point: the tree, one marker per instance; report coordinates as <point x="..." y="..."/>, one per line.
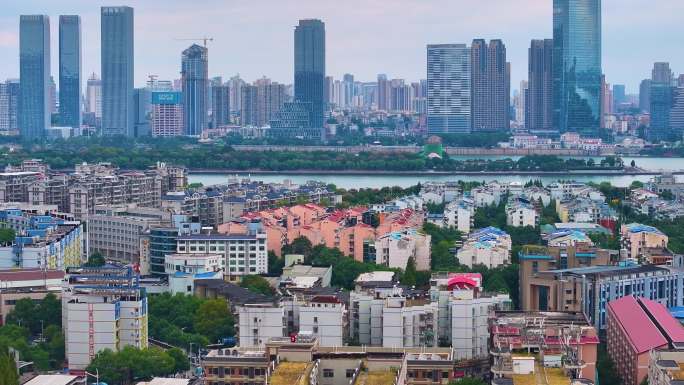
<point x="468" y="381"/>
<point x="181" y="362"/>
<point x="8" y="369"/>
<point x="257" y="284"/>
<point x="607" y="374"/>
<point x="301" y="245"/>
<point x="95" y="260"/>
<point x="214" y="320"/>
<point x="130" y="363"/>
<point x="7" y="236"/>
<point x="409" y="276"/>
<point x="275" y="264"/>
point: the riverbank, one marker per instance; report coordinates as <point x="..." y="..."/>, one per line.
<point x="620" y="172"/>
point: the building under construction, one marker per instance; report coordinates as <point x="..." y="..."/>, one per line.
<point x="546" y="348"/>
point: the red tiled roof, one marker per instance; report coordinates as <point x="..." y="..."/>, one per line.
<point x="29" y="274"/>
<point x="642" y="334"/>
<point x="671" y="327"/>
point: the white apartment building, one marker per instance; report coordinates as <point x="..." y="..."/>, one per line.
<point x="324" y="317"/>
<point x="409" y="323"/>
<point x="102" y="308"/>
<point x="257" y="323"/>
<point x="464" y="312"/>
<point x="485" y="196"/>
<point x="394" y="249"/>
<point x="243" y="254"/>
<point x="366" y="313"/>
<point x="521" y="214"/>
<point x="489" y="246"/>
<point x="183" y="269"/>
<point x="460" y="214"/>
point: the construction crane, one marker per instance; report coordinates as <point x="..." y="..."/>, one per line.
<point x="202" y="39"/>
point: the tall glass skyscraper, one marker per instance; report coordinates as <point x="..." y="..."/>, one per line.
<point x="70" y="70"/>
<point x="118" y="112"/>
<point x="448" y="88"/>
<point x="539" y="104"/>
<point x="577" y="65"/>
<point x="195" y="78"/>
<point x="309" y="64"/>
<point x="34" y="75"/>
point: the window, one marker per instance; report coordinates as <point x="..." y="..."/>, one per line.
<point x="328" y="373"/>
<point x="349" y="373"/>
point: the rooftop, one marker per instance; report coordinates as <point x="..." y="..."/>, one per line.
<point x="376" y="276"/>
<point x="642" y="333"/>
<point x="288" y="373"/>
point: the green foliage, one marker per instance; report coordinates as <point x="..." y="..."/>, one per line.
<point x="409" y="277"/>
<point x="275" y="264"/>
<point x="434" y="208"/>
<point x="214" y="320"/>
<point x="607" y="373"/>
<point x="95" y="260"/>
<point x="257" y="284"/>
<point x="369" y="196"/>
<point x="8" y="369"/>
<point x="345" y="269"/>
<point x="300" y="245"/>
<point x="28" y="313"/>
<point x="468" y="381"/>
<point x="549" y="216"/>
<point x="182" y="363"/>
<point x="133" y="364"/>
<point x="7" y="236"/>
<point x="177" y="320"/>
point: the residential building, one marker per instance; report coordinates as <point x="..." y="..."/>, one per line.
<point x="324" y="318"/>
<point x="542" y="292"/>
<point x="460" y="214"/>
<point x="167" y="114"/>
<point x="636" y="238"/>
<point x="42" y="241"/>
<point x="115" y="231"/>
<point x="396" y="248"/>
<point x="161" y="240"/>
<point x="514" y="333"/>
<point x="635" y="327"/>
<point x="309" y="68"/>
<point x="183" y="269"/>
<point x="118" y="109"/>
<point x="102" y="308"/>
<point x="521" y="213"/>
<point x="539" y="113"/>
<point x="577" y="65"/>
<point x="9" y="106"/>
<point x="195" y="80"/>
<point x="490" y="86"/>
<point x="645" y="95"/>
<point x="34" y="76"/>
<point x="243" y="254"/>
<point x="93" y="102"/>
<point x="261" y="102"/>
<point x="489" y="246"/>
<point x="664" y="367"/>
<point x="299" y="276"/>
<point x="220" y="105"/>
<point x="449" y="88"/>
<point x="70" y="71"/>
<point x="464" y="311"/>
<point x="408" y="322"/>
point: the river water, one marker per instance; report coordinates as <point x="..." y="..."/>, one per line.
<point x="376" y="181"/>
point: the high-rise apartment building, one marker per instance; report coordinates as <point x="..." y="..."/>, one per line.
<point x="619" y="96"/>
<point x="448" y="88"/>
<point x="490" y="86"/>
<point x="70" y="71"/>
<point x="220" y="105"/>
<point x="606" y="102"/>
<point x="577" y="65"/>
<point x="383" y="93"/>
<point x="118" y="105"/>
<point x="9" y="106"/>
<point x="235" y="85"/>
<point x="34" y="75"/>
<point x="261" y="102"/>
<point x="195" y="73"/>
<point x="93" y="103"/>
<point x="662" y="94"/>
<point x="309" y="64"/>
<point x="348" y="80"/>
<point x="520" y="103"/>
<point x="167" y="114"/>
<point x="540" y="93"/>
<point x="645" y="95"/>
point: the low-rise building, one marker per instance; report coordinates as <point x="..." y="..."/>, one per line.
<point x="324" y="317"/>
<point x="666" y="366"/>
<point x="16" y="284"/>
<point x="183" y="269"/>
<point x="521" y="213"/>
<point x="635" y="238"/>
<point x="460" y="214"/>
<point x="396" y="248"/>
<point x="314" y="276"/>
<point x="635" y="327"/>
<point x="490" y="247"/>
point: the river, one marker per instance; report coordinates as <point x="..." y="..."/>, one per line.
<point x="377" y="181"/>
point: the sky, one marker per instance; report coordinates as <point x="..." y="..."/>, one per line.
<point x="254" y="38"/>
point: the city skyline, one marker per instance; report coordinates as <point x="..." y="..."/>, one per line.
<point x="157" y="24"/>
